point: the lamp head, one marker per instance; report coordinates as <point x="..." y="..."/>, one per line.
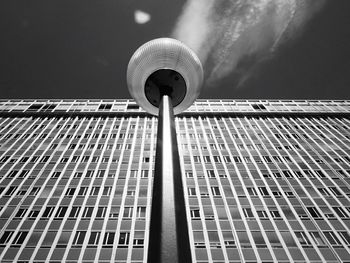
<point x="164" y="66"/>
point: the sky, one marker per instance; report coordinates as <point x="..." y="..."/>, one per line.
<point x="81" y="48"/>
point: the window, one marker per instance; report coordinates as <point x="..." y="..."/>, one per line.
<point x="287" y="159"/>
<point x="138" y="239"/>
<point x="302" y="238"/>
<point x="89" y="173"/>
<point x="24" y="159"/>
<point x="141" y="212"/>
<point x="21" y="192"/>
<point x="196" y="159"/>
<point x="74" y="212"/>
<point x="252" y="191"/>
<point x="278" y="136"/>
<point x="72" y="146"/>
<point x="34" y="191"/>
<point x="237" y="159"/>
<point x="48" y="211"/>
<point x="314" y="212"/>
<point x="211" y="173"/>
<point x="111" y="174"/>
<point x="128" y="146"/>
<point x="212" y="146"/>
<point x="94" y="190"/>
<point x="101" y="211"/>
<point x="11" y="190"/>
<point x="340" y="212"/>
<point x="323" y="191"/>
<point x="34" y="107"/>
<point x="320" y="174"/>
<point x="215" y="190"/>
<point x="332" y="238"/>
<point x="118" y="146"/>
<point x="289" y="194"/>
<point x="277" y="175"/>
<point x="263" y="191"/>
<point x="287" y="174"/>
<point x="94" y="238"/>
<point x="275" y="214"/>
<point x="317" y="238"/>
<point x="82" y="191"/>
<point x="309" y="173"/>
<point x="23" y="174"/>
<point x="267" y="176"/>
<point x="247" y="159"/>
<point x="217" y="159"/>
<point x="107" y="190"/>
<point x="70" y="191"/>
<point x="195" y="213"/>
<point x="132" y="107"/>
<point x="33" y="214"/>
<point x="277" y="159"/>
<point x="85" y="159"/>
<point x="87" y="212"/>
<point x="64" y="159"/>
<point x="6" y="237"/>
<point x="100" y="173"/>
<point x="44" y="159"/>
<point x="227" y="159"/>
<point x="228" y="239"/>
<point x="133" y="173"/>
<point x="130" y="192"/>
<point x="78" y="174"/>
<point x="61" y="211"/>
<point x="110" y="146"/>
<point x="21" y="212"/>
<point x="109" y="238"/>
<point x="53" y="146"/>
<point x="248" y="212"/>
<point x="20" y="237"/>
<point x="298" y="174"/>
<point x="79" y="238"/>
<point x="144" y="174"/>
<point x="335" y="191"/>
<point x="94" y="159"/>
<point x="345" y="236"/>
<point x="12" y="174"/>
<point x="191" y="191"/>
<point x="128" y="212"/>
<point x="114" y="213"/>
<point x="56" y="174"/>
<point x="124" y="239"/>
<point x="262" y="214"/>
<point x="189" y="174"/>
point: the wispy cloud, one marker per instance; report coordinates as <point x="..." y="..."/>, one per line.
<point x="232" y="36"/>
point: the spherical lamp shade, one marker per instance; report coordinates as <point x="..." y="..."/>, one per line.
<point x="160" y="65"/>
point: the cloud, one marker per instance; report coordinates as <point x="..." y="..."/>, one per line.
<point x="141" y="17"/>
<point x="233" y="36"/>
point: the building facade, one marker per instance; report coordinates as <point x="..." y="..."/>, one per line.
<point x="265" y="181"/>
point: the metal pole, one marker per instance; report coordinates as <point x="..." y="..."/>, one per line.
<point x="168" y="242"/>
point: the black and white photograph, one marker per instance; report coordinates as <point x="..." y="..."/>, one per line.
<point x="204" y="131"/>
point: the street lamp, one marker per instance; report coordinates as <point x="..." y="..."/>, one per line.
<point x="165" y="77"/>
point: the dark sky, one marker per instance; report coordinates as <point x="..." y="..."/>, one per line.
<point x="80" y="49"/>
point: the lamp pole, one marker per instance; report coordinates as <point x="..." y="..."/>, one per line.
<point x="164" y="77"/>
<point x="169" y="240"/>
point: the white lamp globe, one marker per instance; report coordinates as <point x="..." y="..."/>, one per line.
<point x="164" y="64"/>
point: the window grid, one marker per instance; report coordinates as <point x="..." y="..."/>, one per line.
<point x="263" y="171"/>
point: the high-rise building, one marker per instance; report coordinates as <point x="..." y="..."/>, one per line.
<point x="265" y="181"/>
